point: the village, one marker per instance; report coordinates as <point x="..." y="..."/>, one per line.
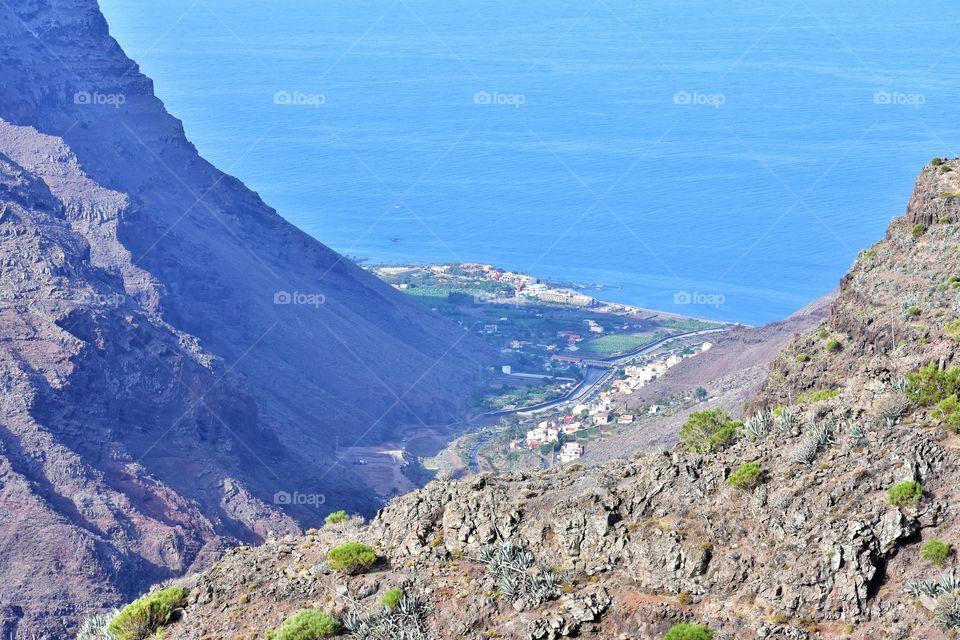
<point x="562" y="438"/>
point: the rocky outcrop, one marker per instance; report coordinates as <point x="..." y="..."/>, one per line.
<point x="178" y="363"/>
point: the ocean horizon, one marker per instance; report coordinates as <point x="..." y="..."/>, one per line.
<point x="726" y="162"/>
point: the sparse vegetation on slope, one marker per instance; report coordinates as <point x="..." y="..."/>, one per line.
<point x="148" y="615"/>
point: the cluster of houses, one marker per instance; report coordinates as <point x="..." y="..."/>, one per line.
<point x="637" y="376"/>
<point x="581" y="418"/>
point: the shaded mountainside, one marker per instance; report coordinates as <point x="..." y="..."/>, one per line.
<point x="166" y="365"/>
<point x="810" y="546"/>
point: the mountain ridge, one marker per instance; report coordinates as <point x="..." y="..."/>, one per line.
<point x="177" y="360"/>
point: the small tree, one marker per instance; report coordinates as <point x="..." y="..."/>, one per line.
<point x="905" y="494"/>
<point x="337" y="517"/>
<point x="935" y="552"/>
<point x="684" y="631"/>
<point x="351" y="558"/>
<point x="709" y="430"/>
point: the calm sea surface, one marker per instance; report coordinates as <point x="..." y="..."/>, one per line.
<point x="722" y="159"/>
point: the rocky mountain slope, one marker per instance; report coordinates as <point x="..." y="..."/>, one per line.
<point x="813" y="545"/>
<point x="177" y="363"/>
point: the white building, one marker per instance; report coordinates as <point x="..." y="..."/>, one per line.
<point x="571" y="451"/>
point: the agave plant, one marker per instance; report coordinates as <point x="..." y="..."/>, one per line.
<point x="787" y="419"/>
<point x="947" y="611"/>
<point x="930" y="588"/>
<point x="510" y="565"/>
<point x="913" y="589"/>
<point x="856" y="432"/>
<point x="949" y="583"/>
<point x="97" y="627"/>
<point x="406" y="621"/>
<point x="757" y="426"/>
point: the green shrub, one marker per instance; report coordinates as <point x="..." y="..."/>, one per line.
<point x="935" y="552"/>
<point x="869" y="253"/>
<point x="833" y="345"/>
<point x="144" y="617"/>
<point x="709" y="430"/>
<point x="684" y="631"/>
<point x="351" y="558"/>
<point x="948" y="412"/>
<point x="391" y="598"/>
<point x="337" y="517"/>
<point x="823" y="333"/>
<point x="929" y="385"/>
<point x="307" y="624"/>
<point x="803" y="357"/>
<point x="912" y="312"/>
<point x="950" y="196"/>
<point x="953" y="330"/>
<point x="937" y="161"/>
<point x="905" y="494"/>
<point x="918" y="230"/>
<point x="747" y="476"/>
<point x="818" y="396"/>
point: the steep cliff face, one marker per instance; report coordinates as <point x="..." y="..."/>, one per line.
<point x="812" y="547"/>
<point x="173" y="353"/>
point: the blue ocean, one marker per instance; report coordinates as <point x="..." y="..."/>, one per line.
<point x="719" y="159"/>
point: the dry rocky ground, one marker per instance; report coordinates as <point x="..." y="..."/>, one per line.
<point x="814" y="549"/>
